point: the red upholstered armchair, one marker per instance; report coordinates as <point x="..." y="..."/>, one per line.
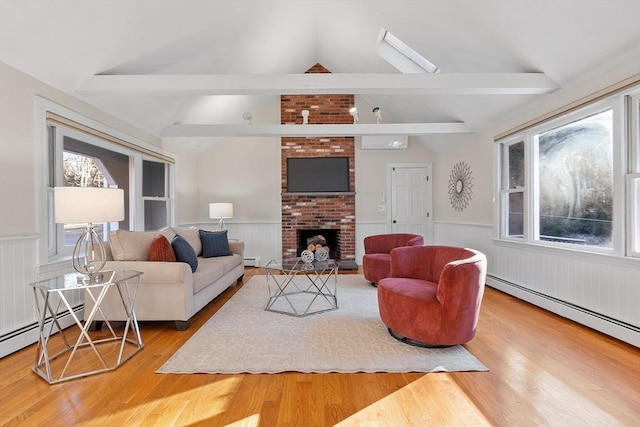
<point x="377" y="253"/>
<point x="433" y="295"/>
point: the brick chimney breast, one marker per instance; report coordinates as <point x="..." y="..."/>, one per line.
<point x="310" y="212"/>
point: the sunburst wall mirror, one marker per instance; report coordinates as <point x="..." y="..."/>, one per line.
<point x="460" y="186"/>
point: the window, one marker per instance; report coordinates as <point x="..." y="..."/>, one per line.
<point x="79" y="159"/>
<point x="155" y="190"/>
<point x="574" y="181"/>
<point x="514" y="188"/>
<point x="633" y="178"/>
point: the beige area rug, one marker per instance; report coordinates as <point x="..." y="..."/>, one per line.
<point x="244" y="338"/>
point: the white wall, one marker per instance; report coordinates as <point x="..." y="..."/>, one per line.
<point x="187" y="185"/>
<point x="371" y="175"/>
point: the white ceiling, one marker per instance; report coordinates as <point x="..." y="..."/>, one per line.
<point x="65" y="43"/>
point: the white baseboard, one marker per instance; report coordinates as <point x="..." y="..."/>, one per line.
<point x="252" y="261"/>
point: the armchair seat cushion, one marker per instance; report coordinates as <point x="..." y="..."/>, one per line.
<point x="409" y="305"/>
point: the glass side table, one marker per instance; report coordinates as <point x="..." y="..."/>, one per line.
<point x="62" y="356"/>
<point x="299" y="288"/>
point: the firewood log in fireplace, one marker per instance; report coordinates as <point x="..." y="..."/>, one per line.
<point x="316" y="242"/>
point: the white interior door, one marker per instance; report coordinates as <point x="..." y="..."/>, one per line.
<point x="410" y="187"/>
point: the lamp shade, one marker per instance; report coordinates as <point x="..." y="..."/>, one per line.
<point x="88" y="204"/>
<point x="221" y="210"/>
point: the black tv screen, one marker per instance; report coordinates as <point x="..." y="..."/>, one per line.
<point x="318" y="175"/>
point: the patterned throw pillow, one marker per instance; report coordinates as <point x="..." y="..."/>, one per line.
<point x="214" y="243"/>
<point x="184" y="252"/>
<point x="161" y="250"/>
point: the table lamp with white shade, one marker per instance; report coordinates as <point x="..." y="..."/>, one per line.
<point x="88" y="205"/>
<point x="221" y="211"/>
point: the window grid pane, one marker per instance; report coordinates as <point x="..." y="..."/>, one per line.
<point x="155" y="214"/>
<point x="153" y="179"/>
<point x="515" y="225"/>
<point x="576" y="182"/>
<point x="516" y="165"/>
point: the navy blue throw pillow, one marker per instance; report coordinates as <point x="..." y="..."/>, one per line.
<point x="214" y="243"/>
<point x="184" y="252"/>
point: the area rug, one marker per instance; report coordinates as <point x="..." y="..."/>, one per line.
<point x="244" y="338"/>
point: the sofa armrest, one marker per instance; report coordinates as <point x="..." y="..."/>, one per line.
<point x="237" y="247"/>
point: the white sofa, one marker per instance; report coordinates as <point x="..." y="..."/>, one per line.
<point x="168" y="290"/>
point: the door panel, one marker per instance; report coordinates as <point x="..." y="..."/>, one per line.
<point x="411" y="201"/>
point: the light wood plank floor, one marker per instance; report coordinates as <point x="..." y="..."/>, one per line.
<point x="544" y="371"/>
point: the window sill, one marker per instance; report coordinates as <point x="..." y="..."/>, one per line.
<point x="599" y="257"/>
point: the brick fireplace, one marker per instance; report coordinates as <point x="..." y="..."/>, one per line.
<point x="308" y="214"/>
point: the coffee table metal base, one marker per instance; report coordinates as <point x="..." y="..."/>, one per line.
<point x="301" y="289"/>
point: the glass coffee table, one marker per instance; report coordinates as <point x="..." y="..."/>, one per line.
<point x="300" y="288"/>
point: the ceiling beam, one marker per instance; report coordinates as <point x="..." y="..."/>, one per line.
<point x="322" y="84"/>
<point x="244" y="130"/>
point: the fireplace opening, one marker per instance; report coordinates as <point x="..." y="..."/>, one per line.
<point x="320" y="236"/>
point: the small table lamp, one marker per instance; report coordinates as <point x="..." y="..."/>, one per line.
<point x="221" y="211"/>
<point x="88" y="205"/>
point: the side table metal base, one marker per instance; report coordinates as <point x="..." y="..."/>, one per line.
<point x="63" y="355"/>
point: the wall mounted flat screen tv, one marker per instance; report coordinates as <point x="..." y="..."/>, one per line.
<point x="318" y="175"/>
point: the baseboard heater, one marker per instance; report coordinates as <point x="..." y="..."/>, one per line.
<point x="28" y="334"/>
<point x="252" y="261"/>
<point x="593" y="314"/>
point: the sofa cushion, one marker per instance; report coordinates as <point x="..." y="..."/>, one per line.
<point x="132" y="245"/>
<point x="232" y="262"/>
<point x="184" y="252"/>
<point x="192" y="236"/>
<point x="214" y="243"/>
<point x="161" y="250"/>
<point x="209" y="270"/>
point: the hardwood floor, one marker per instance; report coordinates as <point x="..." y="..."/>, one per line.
<point x="544" y="371"/>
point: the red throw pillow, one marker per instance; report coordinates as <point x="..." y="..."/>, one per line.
<point x="161" y="250"/>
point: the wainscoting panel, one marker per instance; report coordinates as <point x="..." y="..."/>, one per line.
<point x="596" y="290"/>
<point x="18" y="315"/>
<point x="17" y="270"/>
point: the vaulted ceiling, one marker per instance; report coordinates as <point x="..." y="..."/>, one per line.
<point x="114" y="54"/>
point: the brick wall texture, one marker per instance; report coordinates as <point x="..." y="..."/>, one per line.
<point x="303" y="212"/>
